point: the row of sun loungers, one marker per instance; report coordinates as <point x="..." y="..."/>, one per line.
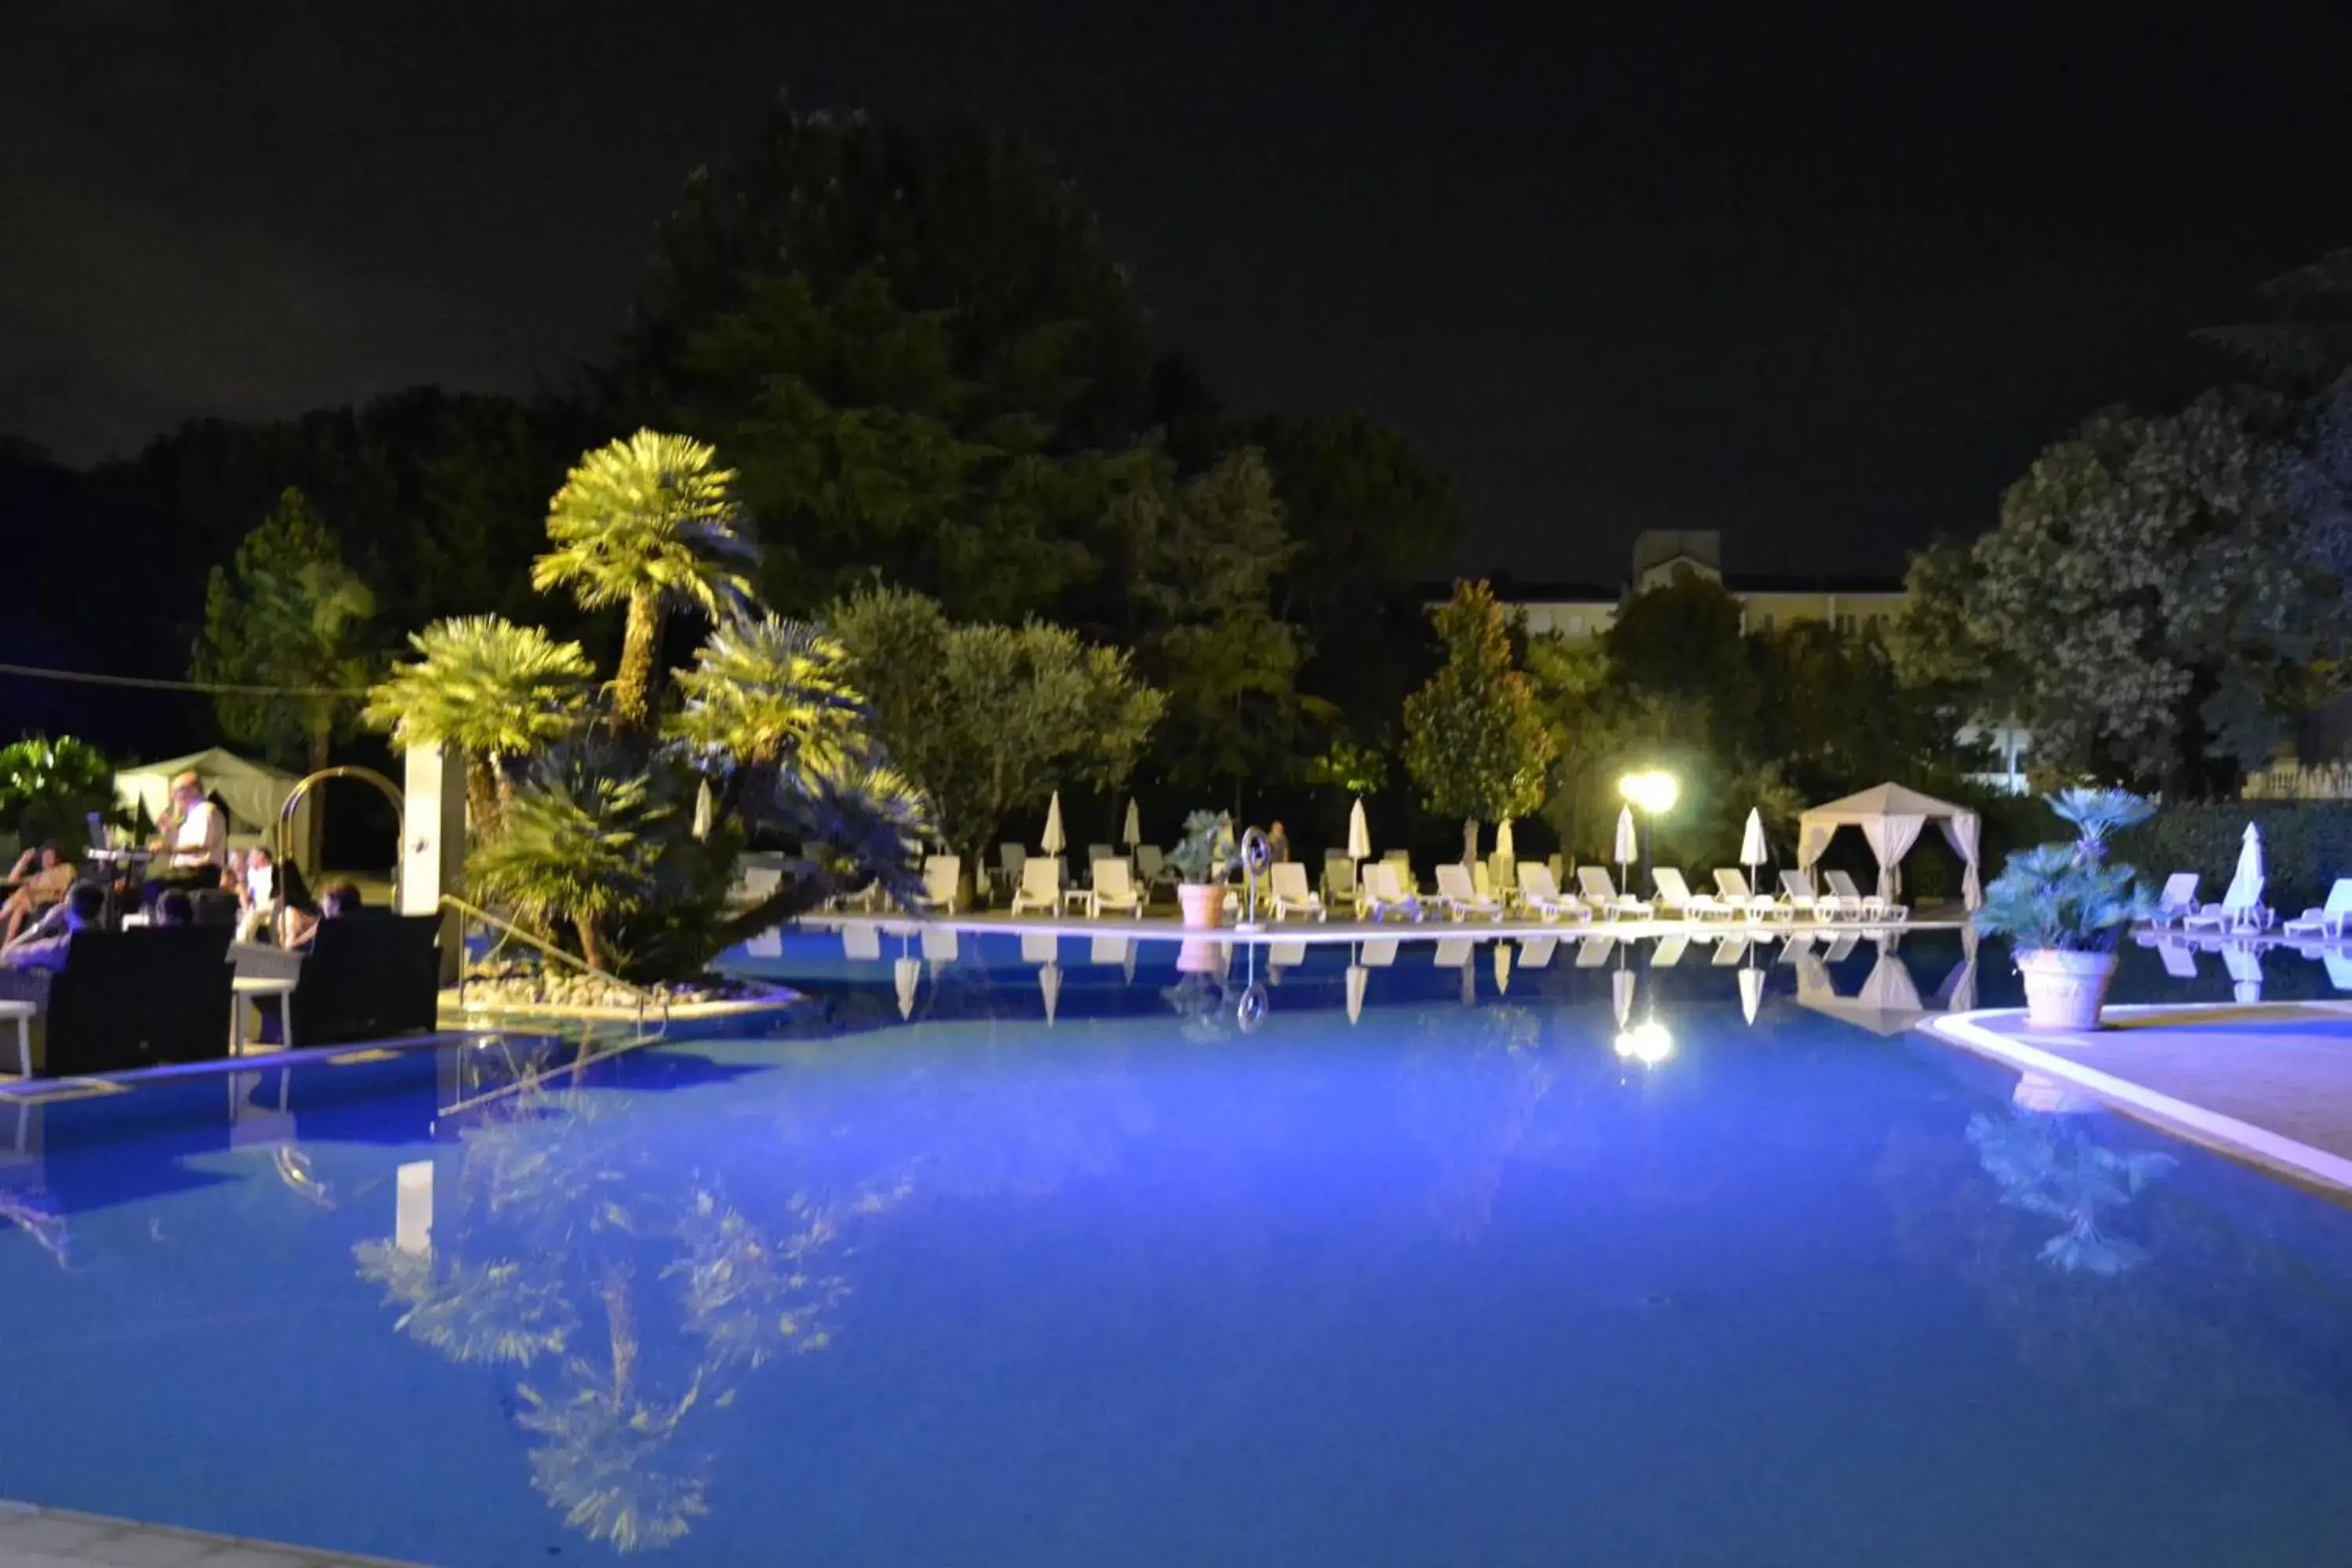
<point x="1382" y="889"/>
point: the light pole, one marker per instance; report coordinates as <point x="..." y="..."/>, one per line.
<point x="1652" y="791"/>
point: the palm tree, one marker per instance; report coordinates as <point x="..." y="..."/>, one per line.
<point x="576" y="848"/>
<point x="764" y="690"/>
<point x="648" y="523"/>
<point x="488" y="687"/>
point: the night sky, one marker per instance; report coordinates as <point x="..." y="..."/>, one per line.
<point x="1827" y="287"/>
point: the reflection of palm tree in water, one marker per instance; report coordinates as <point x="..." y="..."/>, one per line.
<point x="2047" y="1164"/>
<point x="558" y="1205"/>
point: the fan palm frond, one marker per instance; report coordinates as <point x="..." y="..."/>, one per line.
<point x="765" y="688"/>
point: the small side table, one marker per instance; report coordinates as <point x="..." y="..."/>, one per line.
<point x="1078" y="901"/>
<point x="252" y="989"/>
<point x="22" y="1013"/>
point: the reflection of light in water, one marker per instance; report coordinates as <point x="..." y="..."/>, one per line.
<point x="1646" y="1042"/>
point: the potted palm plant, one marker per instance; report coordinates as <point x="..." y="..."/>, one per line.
<point x="2064" y="908"/>
<point x="1202" y="859"/>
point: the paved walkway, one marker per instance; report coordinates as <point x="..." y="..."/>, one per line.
<point x="50" y="1538"/>
<point x="1168" y="928"/>
<point x="2270" y="1082"/>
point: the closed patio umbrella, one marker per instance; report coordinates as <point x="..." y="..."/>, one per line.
<point x="1132" y="833"/>
<point x="1356" y="975"/>
<point x="1752" y="993"/>
<point x="1503" y="844"/>
<point x="1620" y="992"/>
<point x="1627" y="850"/>
<point x="1052" y="840"/>
<point x="2246" y="885"/>
<point x="1753" y="850"/>
<point x="1503" y="968"/>
<point x="1360" y="833"/>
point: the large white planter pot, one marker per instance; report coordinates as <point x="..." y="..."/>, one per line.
<point x="2064" y="990"/>
<point x="1204" y="906"/>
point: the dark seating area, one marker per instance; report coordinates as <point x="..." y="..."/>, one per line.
<point x="367" y="976"/>
<point x="133" y="999"/>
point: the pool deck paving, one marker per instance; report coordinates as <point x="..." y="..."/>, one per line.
<point x="2267" y="1082"/>
<point x="1168" y="928"/>
<point x="54" y="1538"/>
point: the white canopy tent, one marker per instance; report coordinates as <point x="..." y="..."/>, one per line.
<point x="1892" y="817"/>
<point x="254" y="792"/>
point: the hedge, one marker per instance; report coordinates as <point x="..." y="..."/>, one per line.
<point x="2306" y="845"/>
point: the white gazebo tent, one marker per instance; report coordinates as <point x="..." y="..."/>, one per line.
<point x="1890" y="817"/>
<point x="254" y="792"/>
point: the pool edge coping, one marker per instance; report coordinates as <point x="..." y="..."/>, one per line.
<point x="2181" y="1117"/>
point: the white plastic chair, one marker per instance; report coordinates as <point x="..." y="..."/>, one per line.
<point x="1292" y="896"/>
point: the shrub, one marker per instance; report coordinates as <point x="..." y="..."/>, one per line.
<point x="2306" y="845"/>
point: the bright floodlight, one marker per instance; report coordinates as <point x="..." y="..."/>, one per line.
<point x="1646" y="1042"/>
<point x="1652" y="791"/>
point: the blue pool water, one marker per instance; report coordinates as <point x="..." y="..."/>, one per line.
<point x="1453" y="1284"/>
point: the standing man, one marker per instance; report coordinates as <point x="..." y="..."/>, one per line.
<point x="193" y="845"/>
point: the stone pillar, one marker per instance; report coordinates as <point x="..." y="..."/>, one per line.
<point x="433" y="850"/>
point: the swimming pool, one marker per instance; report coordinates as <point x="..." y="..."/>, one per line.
<point x="1456" y="1283"/>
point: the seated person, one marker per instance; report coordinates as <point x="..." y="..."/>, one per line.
<point x="83" y="908"/>
<point x="175" y="907"/>
<point x="338" y="900"/>
<point x="191" y="847"/>
<point x="42" y="878"/>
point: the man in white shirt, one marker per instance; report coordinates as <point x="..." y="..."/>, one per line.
<point x="193" y="844"/>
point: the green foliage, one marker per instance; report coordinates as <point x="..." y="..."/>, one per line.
<point x="987" y="719"/>
<point x="286" y="613"/>
<point x="2066" y="895"/>
<point x="862" y="449"/>
<point x="576" y="848"/>
<point x="1680" y="641"/>
<point x="1206" y="855"/>
<point x="2306" y="845"/>
<point x="48" y="788"/>
<point x="1475" y="740"/>
<point x="648" y="523"/>
<point x="858" y="820"/>
<point x="2307" y="342"/>
<point x="2148" y="600"/>
<point x="1349" y="764"/>
<point x="1208" y="551"/>
<point x="765" y="689"/>
<point x="486" y="687"/>
<point x="917" y="348"/>
<point x="1370" y="514"/>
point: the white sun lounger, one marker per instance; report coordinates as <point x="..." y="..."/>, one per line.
<point x="1115" y="888"/>
<point x="1731" y="886"/>
<point x="1459" y="897"/>
<point x="1601" y="893"/>
<point x="1873" y="908"/>
<point x="940" y="875"/>
<point x="1539" y="895"/>
<point x="2179" y="898"/>
<point x="2226" y="917"/>
<point x="1675" y="897"/>
<point x="1292" y="896"/>
<point x="1041" y="886"/>
<point x="1383" y="895"/>
<point x="2327" y="921"/>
